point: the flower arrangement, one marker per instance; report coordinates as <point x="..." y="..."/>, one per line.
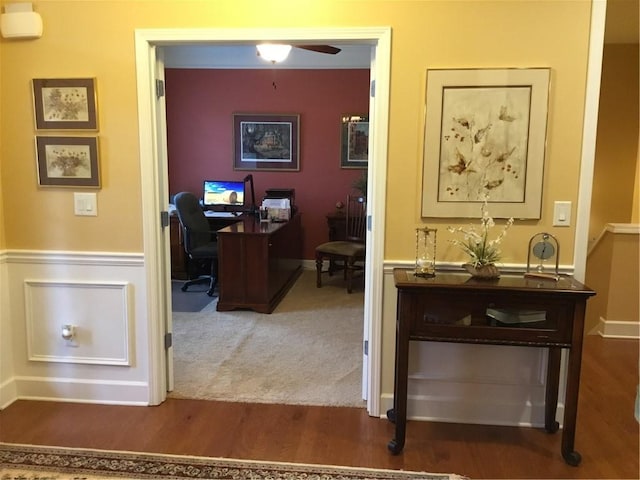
<point x="476" y="244"/>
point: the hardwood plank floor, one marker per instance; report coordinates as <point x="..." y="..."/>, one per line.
<point x="606" y="436"/>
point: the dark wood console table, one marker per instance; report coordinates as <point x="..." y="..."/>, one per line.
<point x="258" y="263"/>
<point x="453" y="308"/>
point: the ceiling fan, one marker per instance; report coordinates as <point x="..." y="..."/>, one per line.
<point x="320" y="48"/>
<point x="277" y="52"/>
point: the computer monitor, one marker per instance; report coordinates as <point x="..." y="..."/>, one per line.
<point x="223" y="195"/>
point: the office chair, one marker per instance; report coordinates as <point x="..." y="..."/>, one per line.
<point x="345" y="253"/>
<point x="199" y="240"/>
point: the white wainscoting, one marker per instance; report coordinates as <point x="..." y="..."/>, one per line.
<point x="95" y="311"/>
<point x="104" y="295"/>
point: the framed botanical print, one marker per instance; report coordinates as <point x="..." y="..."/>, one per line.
<point x="68" y="161"/>
<point x="485" y="136"/>
<point x="65" y="103"/>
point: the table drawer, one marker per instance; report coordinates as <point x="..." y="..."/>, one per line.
<point x="438" y="315"/>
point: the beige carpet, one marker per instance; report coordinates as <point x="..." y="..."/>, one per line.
<point x="308" y="351"/>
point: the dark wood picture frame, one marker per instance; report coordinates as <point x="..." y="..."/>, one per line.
<point x="354" y="141"/>
<point x="65" y="104"/>
<point x="266" y="142"/>
<point x="68" y="161"/>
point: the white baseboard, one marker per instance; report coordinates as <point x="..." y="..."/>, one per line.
<point x="103" y="392"/>
<point x="617" y="329"/>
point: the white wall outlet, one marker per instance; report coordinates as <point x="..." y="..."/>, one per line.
<point x="85" y="204"/>
<point x="561" y="214"/>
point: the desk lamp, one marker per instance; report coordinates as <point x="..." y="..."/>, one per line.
<point x="252" y="208"/>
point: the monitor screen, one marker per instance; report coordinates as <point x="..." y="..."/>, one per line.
<point x="220" y="193"/>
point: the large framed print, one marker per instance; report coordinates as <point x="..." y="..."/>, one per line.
<point x="68" y="161"/>
<point x="354" y="141"/>
<point x="65" y="103"/>
<point x="266" y="142"/>
<point x="485" y="138"/>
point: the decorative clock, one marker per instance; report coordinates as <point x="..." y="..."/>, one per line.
<point x="543" y="257"/>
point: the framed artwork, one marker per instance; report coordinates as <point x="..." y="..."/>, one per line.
<point x="65" y="104"/>
<point x="354" y="141"/>
<point x="485" y="137"/>
<point x="68" y="161"/>
<point x="266" y="142"/>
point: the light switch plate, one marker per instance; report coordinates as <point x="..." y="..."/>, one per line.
<point x="561" y="214"/>
<point x="85" y="204"/>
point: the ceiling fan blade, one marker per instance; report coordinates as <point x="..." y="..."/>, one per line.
<point x="320" y="48"/>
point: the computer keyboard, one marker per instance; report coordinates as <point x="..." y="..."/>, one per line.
<point x="210" y="213"/>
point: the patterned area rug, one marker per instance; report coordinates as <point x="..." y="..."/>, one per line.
<point x="26" y="462"/>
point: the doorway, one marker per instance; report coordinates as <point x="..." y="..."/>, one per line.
<point x="154" y="172"/>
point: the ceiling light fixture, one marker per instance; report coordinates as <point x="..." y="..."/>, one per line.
<point x="273" y="52"/>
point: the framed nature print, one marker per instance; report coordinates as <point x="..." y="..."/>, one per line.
<point x="68" y="161"/>
<point x="266" y="142"/>
<point x="65" y="103"/>
<point x="354" y="141"/>
<point x="485" y="136"/>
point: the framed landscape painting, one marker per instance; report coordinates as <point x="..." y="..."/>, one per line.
<point x="266" y="142"/>
<point x="65" y="103"/>
<point x="485" y="135"/>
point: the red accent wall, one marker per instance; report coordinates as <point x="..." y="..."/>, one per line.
<point x="200" y="107"/>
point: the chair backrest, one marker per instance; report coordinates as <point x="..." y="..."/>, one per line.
<point x="356" y="222"/>
<point x="195" y="225"/>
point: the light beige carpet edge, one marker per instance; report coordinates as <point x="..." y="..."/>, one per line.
<point x="307" y="352"/>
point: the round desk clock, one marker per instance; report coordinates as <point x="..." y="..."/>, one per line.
<point x="543" y="257"/>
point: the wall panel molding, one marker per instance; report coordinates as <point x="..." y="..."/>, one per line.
<point x="99" y="312"/>
<point x="104" y="295"/>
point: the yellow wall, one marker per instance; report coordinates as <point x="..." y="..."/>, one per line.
<point x="616" y="159"/>
<point x="96" y="39"/>
<point x="612" y="271"/>
<point x="2" y="222"/>
<point x="635" y="212"/>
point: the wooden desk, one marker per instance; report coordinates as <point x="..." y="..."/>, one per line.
<point x="258" y="263"/>
<point x="452" y="308"/>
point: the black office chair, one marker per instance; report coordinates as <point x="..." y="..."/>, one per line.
<point x="349" y="252"/>
<point x="199" y="241"/>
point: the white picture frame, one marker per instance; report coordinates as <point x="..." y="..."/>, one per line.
<point x="485" y="137"/>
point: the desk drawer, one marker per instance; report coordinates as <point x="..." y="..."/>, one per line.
<point x="444" y="315"/>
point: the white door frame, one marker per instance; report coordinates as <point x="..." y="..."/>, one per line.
<point x="153" y="175"/>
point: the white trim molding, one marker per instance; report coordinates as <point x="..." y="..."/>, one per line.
<point x="99" y="313"/>
<point x="618" y="329"/>
<point x="103" y="295"/>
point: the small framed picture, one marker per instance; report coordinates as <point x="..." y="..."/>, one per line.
<point x="266" y="142"/>
<point x="65" y="104"/>
<point x="354" y="141"/>
<point x="68" y="161"/>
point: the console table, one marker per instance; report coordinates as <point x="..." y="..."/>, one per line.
<point x="258" y="262"/>
<point x="453" y="308"/>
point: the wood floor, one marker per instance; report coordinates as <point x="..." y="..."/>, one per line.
<point x="606" y="436"/>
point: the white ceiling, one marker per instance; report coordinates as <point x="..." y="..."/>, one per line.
<point x="245" y="56"/>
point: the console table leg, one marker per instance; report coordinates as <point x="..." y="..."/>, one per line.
<point x="398" y="414"/>
<point x="551" y="394"/>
